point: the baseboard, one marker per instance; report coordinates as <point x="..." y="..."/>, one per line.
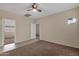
<point x="62" y="44"/>
<point x="20" y="44"/>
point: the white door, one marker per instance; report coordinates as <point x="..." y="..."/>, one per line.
<point x="33" y="31"/>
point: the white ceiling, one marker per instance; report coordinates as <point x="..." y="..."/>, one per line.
<point x="47" y="8"/>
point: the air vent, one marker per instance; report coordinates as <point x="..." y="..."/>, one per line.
<point x="27" y="15"/>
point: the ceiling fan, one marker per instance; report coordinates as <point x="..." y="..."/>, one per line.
<point x="34" y="8"/>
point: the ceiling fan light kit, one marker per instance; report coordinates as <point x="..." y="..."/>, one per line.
<point x="34" y="10"/>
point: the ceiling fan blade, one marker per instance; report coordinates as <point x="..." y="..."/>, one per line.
<point x="39" y="10"/>
<point x="27" y="15"/>
<point x="29" y="9"/>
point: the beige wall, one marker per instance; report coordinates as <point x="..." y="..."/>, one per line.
<point x="0" y="30"/>
<point x="53" y="28"/>
<point x="22" y="25"/>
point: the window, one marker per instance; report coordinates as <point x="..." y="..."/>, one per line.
<point x="71" y="20"/>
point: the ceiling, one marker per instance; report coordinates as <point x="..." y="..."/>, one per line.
<point x="47" y="8"/>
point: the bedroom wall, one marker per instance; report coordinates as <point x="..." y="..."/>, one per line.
<point x="0" y="29"/>
<point x="54" y="28"/>
<point x="22" y="25"/>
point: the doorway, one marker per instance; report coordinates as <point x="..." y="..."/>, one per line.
<point x="9" y="31"/>
<point x="37" y="31"/>
<point x="34" y="31"/>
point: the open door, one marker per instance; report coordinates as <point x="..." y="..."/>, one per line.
<point x="33" y="31"/>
